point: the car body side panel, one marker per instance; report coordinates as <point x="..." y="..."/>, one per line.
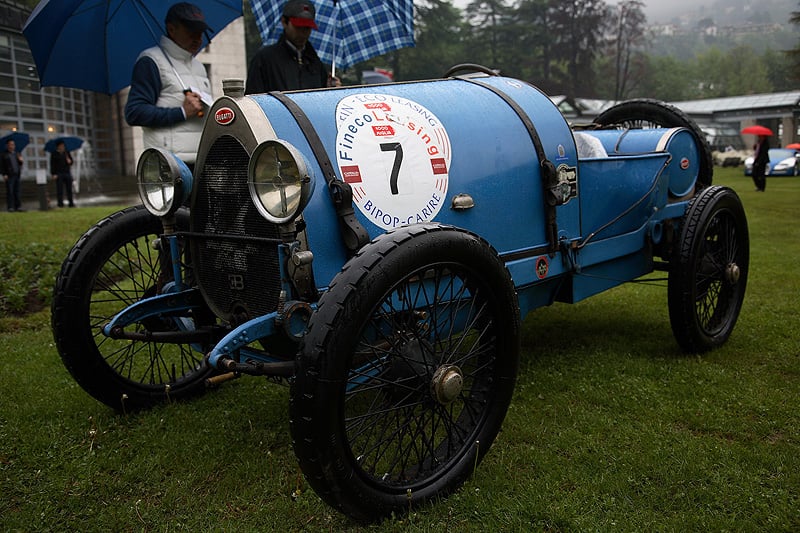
<point x="489" y="156"/>
<point x="491" y="159"/>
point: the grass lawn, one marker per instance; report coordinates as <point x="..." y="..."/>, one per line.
<point x="611" y="426"/>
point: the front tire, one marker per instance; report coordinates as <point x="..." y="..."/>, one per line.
<point x="407" y="371"/>
<point x="708" y="275"/>
<point x="112" y="266"/>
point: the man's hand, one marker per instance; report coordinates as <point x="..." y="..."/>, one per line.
<point x="192" y="106"/>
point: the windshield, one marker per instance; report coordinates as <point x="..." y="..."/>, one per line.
<point x="776" y="154"/>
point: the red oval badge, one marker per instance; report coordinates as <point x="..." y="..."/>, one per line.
<point x="542" y="266"/>
<point x="224" y="116"/>
<point x="684" y="163"/>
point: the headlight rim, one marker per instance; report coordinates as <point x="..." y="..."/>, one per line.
<point x="181" y="181"/>
<point x="305" y="175"/>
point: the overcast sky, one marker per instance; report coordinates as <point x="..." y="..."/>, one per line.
<point x="655" y="10"/>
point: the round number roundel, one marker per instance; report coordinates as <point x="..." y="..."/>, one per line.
<point x="395" y="154"/>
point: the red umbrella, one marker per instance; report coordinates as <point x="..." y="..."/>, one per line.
<point x="793" y="146"/>
<point x="758" y="130"/>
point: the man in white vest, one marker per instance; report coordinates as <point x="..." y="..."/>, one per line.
<point x="169" y="84"/>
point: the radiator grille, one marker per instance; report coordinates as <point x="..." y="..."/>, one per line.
<point x="235" y="276"/>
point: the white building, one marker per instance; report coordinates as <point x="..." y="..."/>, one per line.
<point x="111" y="147"/>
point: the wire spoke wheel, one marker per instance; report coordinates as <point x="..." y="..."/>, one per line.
<point x="406" y="372"/>
<point x="713" y="288"/>
<point x="111" y="267"/>
<point x="418" y="379"/>
<point x="708" y="275"/>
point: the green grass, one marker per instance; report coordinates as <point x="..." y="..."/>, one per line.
<point x="32" y="247"/>
<point x="611" y="426"/>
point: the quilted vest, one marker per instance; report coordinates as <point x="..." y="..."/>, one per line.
<point x="181" y="138"/>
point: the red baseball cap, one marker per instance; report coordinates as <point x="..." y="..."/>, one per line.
<point x="300" y="13"/>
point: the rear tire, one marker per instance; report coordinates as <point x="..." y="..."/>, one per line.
<point x="648" y="113"/>
<point x="708" y="275"/>
<point x="112" y="266"/>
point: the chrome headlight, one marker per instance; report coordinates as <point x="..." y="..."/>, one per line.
<point x="165" y="182"/>
<point x="279" y="181"/>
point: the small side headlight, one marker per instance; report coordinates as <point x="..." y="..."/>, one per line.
<point x="165" y="181"/>
<point x="279" y="181"/>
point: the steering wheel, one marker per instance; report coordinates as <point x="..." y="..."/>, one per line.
<point x="470" y="67"/>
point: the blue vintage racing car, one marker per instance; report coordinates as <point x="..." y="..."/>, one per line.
<point x="377" y="247"/>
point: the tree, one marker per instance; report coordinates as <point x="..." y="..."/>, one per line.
<point x="439" y="41"/>
<point x="705" y="23"/>
<point x="578" y="29"/>
<point x="490" y="42"/>
<point x="666" y="78"/>
<point x="626" y="44"/>
<point x="745" y="72"/>
<point x="534" y="54"/>
<point x="777" y="65"/>
<point x="736" y="72"/>
<point x="794" y="53"/>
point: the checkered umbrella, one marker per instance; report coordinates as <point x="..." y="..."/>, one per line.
<point x="350" y="31"/>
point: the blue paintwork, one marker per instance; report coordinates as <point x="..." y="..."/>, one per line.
<point x="492" y="159"/>
<point x="622" y="197"/>
<point x="622" y="200"/>
<point x="169" y="302"/>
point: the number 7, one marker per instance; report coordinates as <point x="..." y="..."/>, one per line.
<point x="398" y="159"/>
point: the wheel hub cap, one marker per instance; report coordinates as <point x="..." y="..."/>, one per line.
<point x="732" y="273"/>
<point x="447" y="384"/>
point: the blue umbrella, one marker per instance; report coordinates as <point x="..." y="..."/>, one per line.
<point x="350" y="31"/>
<point x="70" y="143"/>
<point x="20" y="139"/>
<point x="93" y="44"/>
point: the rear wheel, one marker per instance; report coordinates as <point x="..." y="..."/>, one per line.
<point x="407" y="371"/>
<point x="647" y="113"/>
<point x="708" y="275"/>
<point x="112" y="266"/>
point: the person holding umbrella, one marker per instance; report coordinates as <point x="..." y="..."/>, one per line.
<point x="291" y="63"/>
<point x="760" y="163"/>
<point x="60" y="161"/>
<point x="169" y="85"/>
<point x="10" y="168"/>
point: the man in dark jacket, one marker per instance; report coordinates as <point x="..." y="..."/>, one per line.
<point x="291" y="63"/>
<point x="10" y="168"/>
<point x="760" y="163"/>
<point x="60" y="161"/>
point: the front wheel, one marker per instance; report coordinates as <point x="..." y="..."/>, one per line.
<point x="407" y="371"/>
<point x="112" y="266"/>
<point x="708" y="275"/>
